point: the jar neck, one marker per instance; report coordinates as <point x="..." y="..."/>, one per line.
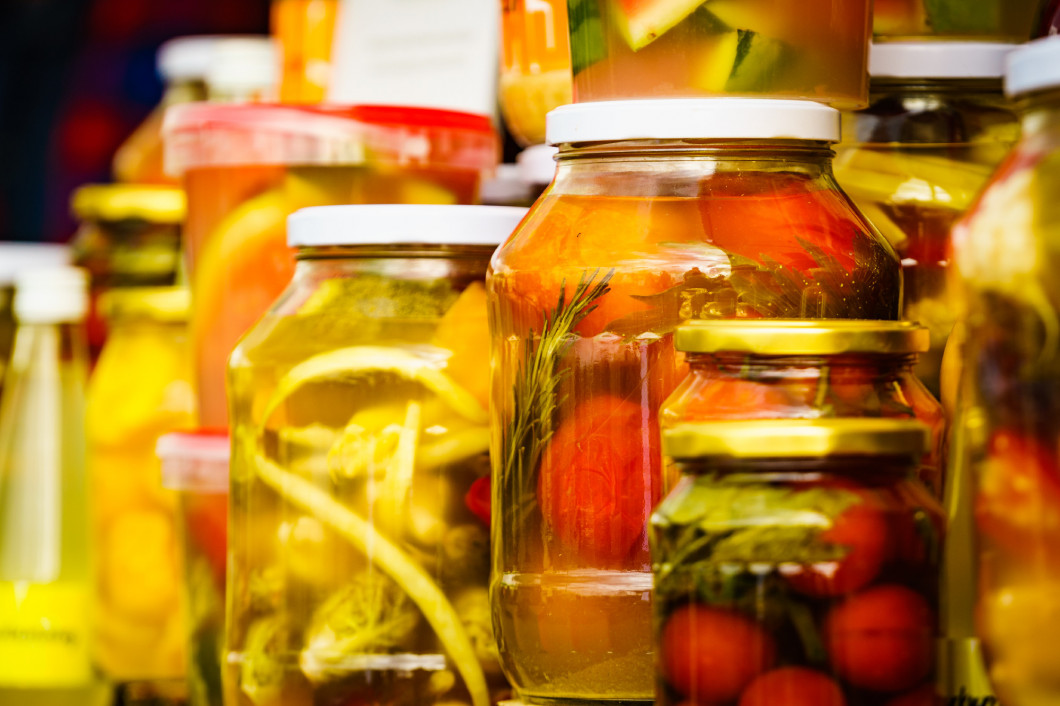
<point x="753" y="366"/>
<point x="968" y="89"/>
<point x="310" y="256"/>
<point x="874" y="470"/>
<point x="1041" y="113"/>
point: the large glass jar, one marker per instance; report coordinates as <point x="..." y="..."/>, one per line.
<point x="1007" y="251"/>
<point x="660" y="212"/>
<point x="993" y="20"/>
<point x="936" y="127"/>
<point x="746" y="370"/>
<point x="797" y="562"/>
<point x="814" y="49"/>
<point x="535" y="65"/>
<point x="360" y="470"/>
<point x="247" y="167"/>
<point x="141" y="388"/>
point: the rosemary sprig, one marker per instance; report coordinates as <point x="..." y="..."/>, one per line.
<point x="537" y="382"/>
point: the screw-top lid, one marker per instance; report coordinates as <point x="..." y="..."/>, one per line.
<point x="1035" y="66"/>
<point x="19" y="257"/>
<point x="166" y="304"/>
<point x="772" y="439"/>
<point x="776" y="337"/>
<point x="195" y="461"/>
<point x="537" y="164"/>
<point x="938" y="59"/>
<point x="375" y="224"/>
<point x="119" y="202"/>
<point x="693" y="119"/>
<point x="243" y="65"/>
<point x="51" y="295"/>
<point x="186" y="58"/>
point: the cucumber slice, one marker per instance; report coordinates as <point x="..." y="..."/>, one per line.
<point x="758" y="62"/>
<point x="588" y="44"/>
<point x="716" y="65"/>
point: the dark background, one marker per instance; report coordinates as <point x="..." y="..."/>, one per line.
<point x="76" y="77"/>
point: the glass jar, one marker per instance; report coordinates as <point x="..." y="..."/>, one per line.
<point x="140" y="389"/>
<point x="130" y="236"/>
<point x="936" y="127"/>
<point x="360" y="469"/>
<point x="991" y="20"/>
<point x="195" y="468"/>
<point x="305" y="31"/>
<point x="1007" y="251"/>
<point x="747" y="370"/>
<point x="815" y="49"/>
<point x="247" y="167"/>
<point x="535" y="65"/>
<point x="796" y="562"/>
<point x="641" y="231"/>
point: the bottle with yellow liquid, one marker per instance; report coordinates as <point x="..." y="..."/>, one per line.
<point x="45" y="579"/>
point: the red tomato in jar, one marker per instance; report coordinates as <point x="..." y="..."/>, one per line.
<point x="863" y="530"/>
<point x="882" y="638"/>
<point x="710" y="655"/>
<point x="599" y="479"/>
<point x="478" y="499"/>
<point x="793" y="686"/>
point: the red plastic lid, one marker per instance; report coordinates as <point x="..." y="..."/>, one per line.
<point x="195" y="461"/>
<point x="211" y="135"/>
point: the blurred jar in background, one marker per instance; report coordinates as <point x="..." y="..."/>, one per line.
<point x="246" y="167"/>
<point x="987" y="20"/>
<point x="243" y="70"/>
<point x="141" y="389"/>
<point x="936" y="128"/>
<point x="535" y="65"/>
<point x="130" y="236"/>
<point x="304" y="30"/>
<point x="195" y="466"/>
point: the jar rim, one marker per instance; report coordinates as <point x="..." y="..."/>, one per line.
<point x="775" y="337"/>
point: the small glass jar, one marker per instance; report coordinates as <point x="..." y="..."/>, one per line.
<point x="936" y="127"/>
<point x="195" y="468"/>
<point x="141" y="388"/>
<point x="1007" y="252"/>
<point x="747" y="370"/>
<point x="814" y="49"/>
<point x="535" y="65"/>
<point x="660" y="212"/>
<point x="796" y="562"/>
<point x="988" y="20"/>
<point x="360" y="470"/>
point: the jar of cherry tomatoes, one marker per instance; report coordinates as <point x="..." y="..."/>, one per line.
<point x="1007" y="251"/>
<point x="744" y="370"/>
<point x="936" y="127"/>
<point x="796" y="562"/>
<point x="660" y="212"/>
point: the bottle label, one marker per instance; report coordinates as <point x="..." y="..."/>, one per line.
<point x="44" y="632"/>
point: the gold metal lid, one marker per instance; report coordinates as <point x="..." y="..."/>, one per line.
<point x="119" y="202"/>
<point x="167" y="304"/>
<point x="797" y="438"/>
<point x="802" y="337"/>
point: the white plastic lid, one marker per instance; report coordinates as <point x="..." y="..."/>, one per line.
<point x="938" y="59"/>
<point x="507" y="186"/>
<point x="17" y="257"/>
<point x="386" y="224"/>
<point x="186" y="58"/>
<point x="538" y="164"/>
<point x="194" y="461"/>
<point x="241" y="65"/>
<point x="1035" y="66"/>
<point x="51" y="295"/>
<point x="692" y="119"/>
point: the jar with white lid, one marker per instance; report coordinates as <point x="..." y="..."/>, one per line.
<point x="359" y="506"/>
<point x="936" y="127"/>
<point x="660" y="212"/>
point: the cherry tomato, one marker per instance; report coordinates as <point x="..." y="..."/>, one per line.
<point x="793" y="686"/>
<point x="862" y="529"/>
<point x="710" y="655"/>
<point x="599" y="479"/>
<point x="478" y="499"/>
<point x="882" y="638"/>
<point x="734" y="398"/>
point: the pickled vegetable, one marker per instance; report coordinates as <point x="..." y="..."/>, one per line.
<point x="997" y="20"/>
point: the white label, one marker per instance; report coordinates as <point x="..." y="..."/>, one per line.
<point x="427" y="53"/>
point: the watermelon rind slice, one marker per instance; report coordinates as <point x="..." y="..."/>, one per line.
<point x="641" y="22"/>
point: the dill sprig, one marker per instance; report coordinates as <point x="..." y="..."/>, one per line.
<point x="538" y="378"/>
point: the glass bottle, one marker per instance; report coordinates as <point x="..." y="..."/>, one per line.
<point x="1007" y="252"/>
<point x="359" y="505"/>
<point x="45" y="553"/>
<point x="797" y="562"/>
<point x="936" y="127"/>
<point x="660" y="212"/>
